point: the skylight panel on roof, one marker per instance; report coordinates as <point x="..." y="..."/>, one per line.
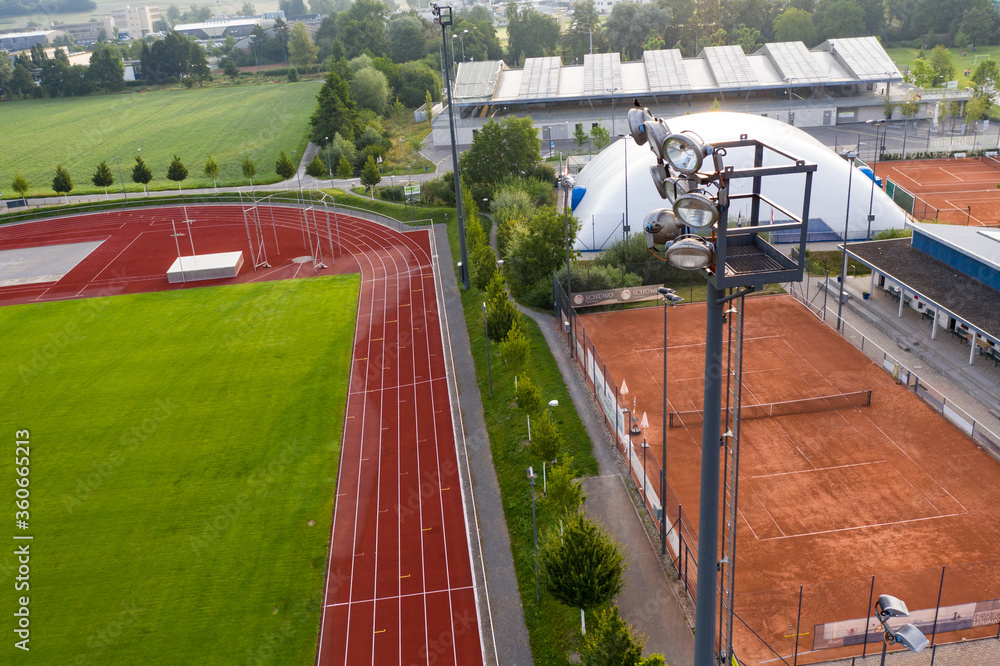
<point x="540" y="79"/>
<point x="665" y="70"/>
<point x="729" y="66"/>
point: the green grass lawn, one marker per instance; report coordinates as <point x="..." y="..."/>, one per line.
<point x="227" y="122"/>
<point x="180" y="444"/>
<point x="904" y="57"/>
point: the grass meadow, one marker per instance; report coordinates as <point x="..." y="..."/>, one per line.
<point x="181" y="443"/>
<point x="228" y="122"/>
<point x="904" y="57"/>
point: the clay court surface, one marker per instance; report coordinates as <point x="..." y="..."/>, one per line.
<point x="946" y="189"/>
<point x="827" y="499"/>
<point x="399" y="584"/>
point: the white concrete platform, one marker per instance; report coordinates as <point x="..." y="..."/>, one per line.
<point x="205" y="267"/>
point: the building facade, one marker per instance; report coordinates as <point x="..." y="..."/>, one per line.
<point x="135" y="22"/>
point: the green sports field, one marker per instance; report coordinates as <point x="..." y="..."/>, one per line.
<point x="180" y="444"/>
<point x="227" y="122"/>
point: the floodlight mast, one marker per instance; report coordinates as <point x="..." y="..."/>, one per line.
<point x="737" y="259"/>
<point x="442" y="16"/>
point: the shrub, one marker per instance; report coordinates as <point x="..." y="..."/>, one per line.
<point x="293" y="75"/>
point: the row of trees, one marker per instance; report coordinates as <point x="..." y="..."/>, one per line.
<point x="141" y="174"/>
<point x="580" y="565"/>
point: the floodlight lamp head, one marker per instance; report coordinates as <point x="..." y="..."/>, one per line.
<point x="657" y="132"/>
<point x="890" y="606"/>
<point x="661" y="227"/>
<point x="637" y="119"/>
<point x="685" y="151"/>
<point x="697" y="209"/>
<point x="663" y="291"/>
<point x="689" y="253"/>
<point x="911" y="638"/>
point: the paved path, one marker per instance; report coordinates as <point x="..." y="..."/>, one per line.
<point x="649" y="600"/>
<point x="487" y="525"/>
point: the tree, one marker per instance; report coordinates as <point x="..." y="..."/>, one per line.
<point x="21" y="83"/>
<point x="293" y="7"/>
<point x="747" y="38"/>
<point x="321" y="7"/>
<point x="198" y="64"/>
<point x="6" y="72"/>
<point x="106" y="69"/>
<point x="301" y="50"/>
<point x="579" y="136"/>
<point x="316" y="168"/>
<point x="986" y="82"/>
<point x="979" y="24"/>
<point x="565" y="493"/>
<point x="630" y="24"/>
<point x="841" y="18"/>
<point x="247" y="10"/>
<point x="414" y="81"/>
<point x="370" y="89"/>
<point x="249" y="169"/>
<point x="530" y="34"/>
<point x="941" y="63"/>
<point x="212" y="171"/>
<point x="141" y="173"/>
<point x="284" y="166"/>
<point x="501" y="311"/>
<point x="103" y="177"/>
<point x="177" y="172"/>
<point x="19" y="185"/>
<point x="921" y="74"/>
<point x="582" y="567"/>
<point x="406" y="38"/>
<point x="344" y="168"/>
<point x="515" y="350"/>
<point x="428" y="106"/>
<point x="546" y="441"/>
<point x="370" y="176"/>
<point x="795" y="25"/>
<point x="507" y="148"/>
<point x="976" y="109"/>
<point x="585" y="29"/>
<point x="483" y="262"/>
<point x="529" y="398"/>
<point x="362" y="28"/>
<point x="230" y="69"/>
<point x="62" y="183"/>
<point x="610" y="641"/>
<point x="538" y="248"/>
<point x="600" y="137"/>
<point x="169" y="56"/>
<point x="335" y="110"/>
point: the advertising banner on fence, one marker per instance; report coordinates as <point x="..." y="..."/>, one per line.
<point x="949" y="618"/>
<point x="586" y="299"/>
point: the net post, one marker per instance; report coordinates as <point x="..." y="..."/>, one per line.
<point x="868" y="614"/>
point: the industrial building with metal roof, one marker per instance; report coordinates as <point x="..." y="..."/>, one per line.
<point x="840" y="80"/>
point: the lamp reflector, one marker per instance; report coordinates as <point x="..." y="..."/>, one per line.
<point x="696" y="210"/>
<point x="689" y="253"/>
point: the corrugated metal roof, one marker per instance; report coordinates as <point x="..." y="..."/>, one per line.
<point x="540" y="78"/>
<point x="665" y="70"/>
<point x="864" y="56"/>
<point x="793" y="61"/>
<point x="729" y="66"/>
<point x="602" y="72"/>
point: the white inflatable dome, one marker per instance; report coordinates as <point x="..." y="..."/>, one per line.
<point x="599" y="192"/>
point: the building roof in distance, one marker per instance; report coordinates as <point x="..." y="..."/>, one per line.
<point x="966" y="297"/>
<point x="664" y="72"/>
<point x="981" y="244"/>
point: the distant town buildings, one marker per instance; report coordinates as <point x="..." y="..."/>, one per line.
<point x="135" y="22"/>
<point x="90" y="32"/>
<point x="22" y="41"/>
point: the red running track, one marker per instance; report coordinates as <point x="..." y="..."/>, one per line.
<point x="399" y="586"/>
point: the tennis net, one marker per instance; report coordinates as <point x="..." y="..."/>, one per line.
<point x="824" y="403"/>
<point x="991" y="161"/>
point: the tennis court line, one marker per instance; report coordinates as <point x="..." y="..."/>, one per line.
<point x="818" y="469"/>
<point x="864" y="527"/>
<point x="949" y="173"/>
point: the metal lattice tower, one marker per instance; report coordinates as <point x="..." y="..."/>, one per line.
<point x="255" y="232"/>
<point x="730" y="442"/>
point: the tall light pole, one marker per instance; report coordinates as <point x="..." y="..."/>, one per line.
<point x="297" y="179"/>
<point x="329" y="168"/>
<point x="117" y="160"/>
<point x="442" y="16"/>
<point x="626" y="228"/>
<point x="871" y="199"/>
<point x="669" y="298"/>
<point x="851" y="156"/>
<point x="590" y="31"/>
<point x="613" y="91"/>
<point x="567" y="186"/>
<point x="534" y="528"/>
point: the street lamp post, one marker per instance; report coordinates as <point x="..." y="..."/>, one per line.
<point x="871" y="199"/>
<point x="669" y="298"/>
<point x="298" y="179"/>
<point x="117" y="160"/>
<point x="552" y="403"/>
<point x="329" y="167"/>
<point x="534" y="528"/>
<point x="567" y="185"/>
<point x="489" y="370"/>
<point x="442" y="16"/>
<point x="851" y="156"/>
<point x="613" y="91"/>
<point x="625" y="228"/>
<point x="908" y="635"/>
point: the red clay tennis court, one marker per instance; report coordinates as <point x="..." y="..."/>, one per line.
<point x="828" y="499"/>
<point x="951" y="191"/>
<point x="399" y="586"/>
